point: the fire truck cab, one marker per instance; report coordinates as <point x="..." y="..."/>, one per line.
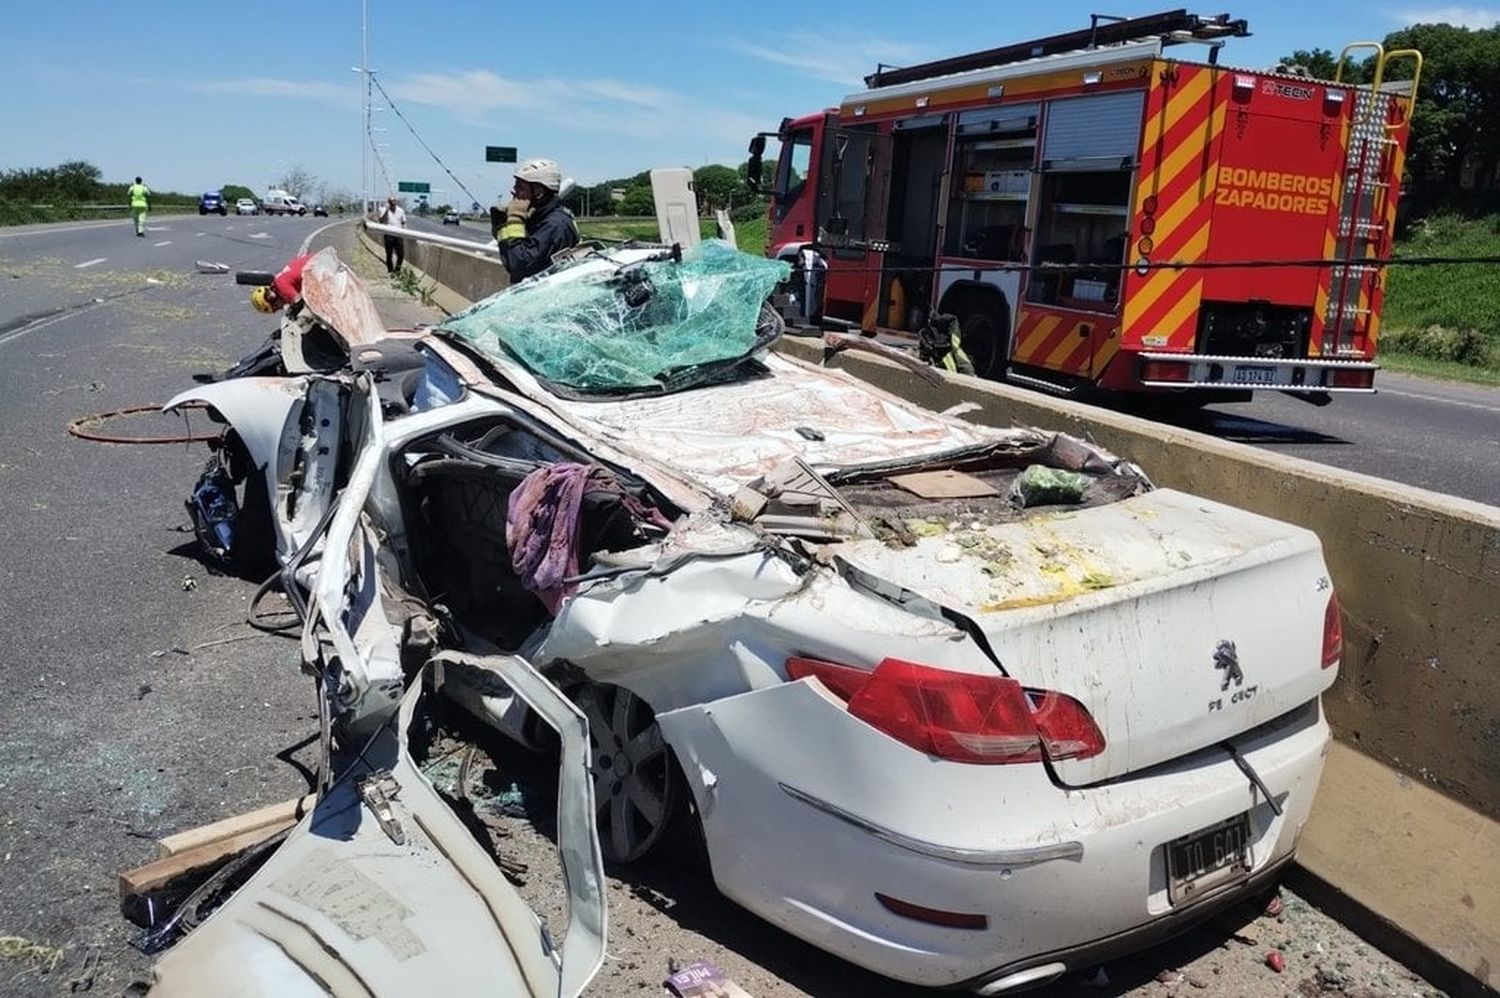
<point x="1099" y="215"/>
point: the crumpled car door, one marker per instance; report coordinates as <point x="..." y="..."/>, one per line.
<point x="382" y="890"/>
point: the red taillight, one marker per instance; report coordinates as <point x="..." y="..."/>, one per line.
<point x="1164" y="370"/>
<point x="987" y="720"/>
<point x="1333" y="634"/>
<point x="842" y="680"/>
<point x="1346" y="378"/>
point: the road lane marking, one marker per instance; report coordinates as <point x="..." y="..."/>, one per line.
<point x="315" y="234"/>
<point x="60" y="228"/>
<point x="1439" y="398"/>
<point x="89" y="263"/>
<point x="164" y="242"/>
<point x="260" y="235"/>
<point x="158" y="228"/>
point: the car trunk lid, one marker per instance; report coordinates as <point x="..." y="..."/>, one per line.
<point x="1176" y="621"/>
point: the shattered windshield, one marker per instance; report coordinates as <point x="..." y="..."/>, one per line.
<point x="654" y="326"/>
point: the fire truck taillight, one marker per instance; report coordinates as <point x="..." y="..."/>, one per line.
<point x="1164" y="370"/>
<point x="1144" y="246"/>
<point x="1149" y="204"/>
<point x="1148" y="225"/>
<point x="1350" y="378"/>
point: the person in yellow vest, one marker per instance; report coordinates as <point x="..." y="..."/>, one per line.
<point x="139" y="199"/>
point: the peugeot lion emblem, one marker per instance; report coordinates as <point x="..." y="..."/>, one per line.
<point x="1225" y="658"/>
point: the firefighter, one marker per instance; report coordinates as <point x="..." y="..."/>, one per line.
<point x="940" y="343"/>
<point x="284" y="289"/>
<point x="534" y="226"/>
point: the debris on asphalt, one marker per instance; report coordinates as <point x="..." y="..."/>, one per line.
<point x="1170" y="976"/>
<point x="703" y="979"/>
<point x="189" y="583"/>
<point x="1274" y="907"/>
<point x="210" y="267"/>
<point x="83" y="981"/>
<point x="1276" y="961"/>
<point x="39" y="955"/>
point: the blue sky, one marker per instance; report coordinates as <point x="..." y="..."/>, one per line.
<point x="194" y="95"/>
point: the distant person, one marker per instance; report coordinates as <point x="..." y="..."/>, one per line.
<point x="395" y="246"/>
<point x="284" y="289"/>
<point x="534" y="226"/>
<point x="140" y="196"/>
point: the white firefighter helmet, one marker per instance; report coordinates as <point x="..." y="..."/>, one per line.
<point x="541" y="171"/>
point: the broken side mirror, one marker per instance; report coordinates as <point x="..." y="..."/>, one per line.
<point x="756" y="163"/>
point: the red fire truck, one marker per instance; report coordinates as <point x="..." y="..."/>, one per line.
<point x="1099" y="214"/>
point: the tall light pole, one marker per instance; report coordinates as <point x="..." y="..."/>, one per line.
<point x="364" y="137"/>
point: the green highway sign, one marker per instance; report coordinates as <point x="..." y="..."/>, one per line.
<point x="499" y="154"/>
<point x="414" y="187"/>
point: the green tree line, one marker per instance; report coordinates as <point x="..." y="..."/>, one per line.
<point x="716" y="186"/>
<point x="1453" y="156"/>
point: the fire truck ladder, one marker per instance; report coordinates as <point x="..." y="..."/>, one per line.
<point x="1364" y="229"/>
<point x="1169" y="26"/>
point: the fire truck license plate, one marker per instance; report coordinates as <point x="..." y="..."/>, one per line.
<point x="1209" y="858"/>
<point x="1255" y="375"/>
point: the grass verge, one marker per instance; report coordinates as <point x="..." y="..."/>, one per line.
<point x="1442" y="370"/>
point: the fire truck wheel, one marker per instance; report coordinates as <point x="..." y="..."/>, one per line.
<point x="984" y="324"/>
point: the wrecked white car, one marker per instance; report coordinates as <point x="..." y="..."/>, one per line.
<point x="969" y="707"/>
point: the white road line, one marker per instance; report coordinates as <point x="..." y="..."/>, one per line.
<point x="202" y="233"/>
<point x="89" y="263"/>
<point x="164" y="242"/>
<point x="260" y="235"/>
<point x="1439" y="398"/>
<point x="315" y="233"/>
<point x="61" y="228"/>
<point x="158" y="228"/>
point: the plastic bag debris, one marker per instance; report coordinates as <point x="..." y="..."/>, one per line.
<point x="658" y="325"/>
<point x="1040" y="485"/>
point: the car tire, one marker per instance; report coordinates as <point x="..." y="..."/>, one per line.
<point x="637" y="785"/>
<point x="984" y="330"/>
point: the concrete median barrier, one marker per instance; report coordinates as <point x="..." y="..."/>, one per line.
<point x="1414" y="785"/>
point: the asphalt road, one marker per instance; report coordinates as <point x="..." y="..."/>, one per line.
<point x="138" y="703"/>
<point x="1437" y="435"/>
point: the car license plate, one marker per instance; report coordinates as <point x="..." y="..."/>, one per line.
<point x="1206" y="859"/>
<point x="1255" y="375"/>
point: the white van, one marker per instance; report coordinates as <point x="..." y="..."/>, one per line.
<point x="278" y="202"/>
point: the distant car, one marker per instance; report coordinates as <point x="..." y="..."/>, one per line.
<point x="451" y="218"/>
<point x="319" y="211"/>
<point x="212" y="201"/>
<point x="246" y="206"/>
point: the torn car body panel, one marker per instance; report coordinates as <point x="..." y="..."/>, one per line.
<point x="388" y="893"/>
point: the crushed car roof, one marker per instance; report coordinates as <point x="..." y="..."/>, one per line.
<point x="631" y="323"/>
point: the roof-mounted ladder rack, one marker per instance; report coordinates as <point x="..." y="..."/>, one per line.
<point x="1170" y="27"/>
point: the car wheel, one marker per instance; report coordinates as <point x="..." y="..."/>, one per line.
<point x="636" y="783"/>
<point x="984" y="330"/>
